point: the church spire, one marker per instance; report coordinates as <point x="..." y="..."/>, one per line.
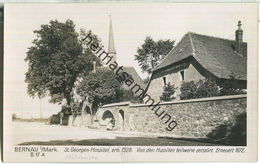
<point x="111" y="44"/>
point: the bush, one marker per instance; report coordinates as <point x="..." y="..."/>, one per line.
<point x="229" y="133"/>
<point x="230" y="88"/>
<point x="55" y="119"/>
<point x="76" y="108"/>
<point x="66" y="110"/>
<point x="168" y="92"/>
<point x="238" y="131"/>
<point x="208" y="88"/>
<point x="14" y="116"/>
<point x="188" y="90"/>
<point x="200" y="89"/>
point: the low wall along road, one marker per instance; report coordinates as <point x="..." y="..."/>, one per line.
<point x="194" y="118"/>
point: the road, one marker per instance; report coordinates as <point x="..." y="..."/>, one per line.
<point x="35" y="133"/>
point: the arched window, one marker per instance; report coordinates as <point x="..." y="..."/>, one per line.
<point x="181" y="75"/>
<point x="164" y="80"/>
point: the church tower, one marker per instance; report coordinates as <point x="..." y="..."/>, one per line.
<point x="111" y="45"/>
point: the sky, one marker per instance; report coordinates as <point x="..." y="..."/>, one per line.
<point x="132" y="22"/>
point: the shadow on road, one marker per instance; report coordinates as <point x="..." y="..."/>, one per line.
<point x="128" y="141"/>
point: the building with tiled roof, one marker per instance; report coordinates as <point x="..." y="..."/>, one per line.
<point x="198" y="57"/>
<point x="128" y="69"/>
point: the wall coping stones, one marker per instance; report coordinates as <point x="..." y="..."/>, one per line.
<point x="126" y="103"/>
<point x="195" y="100"/>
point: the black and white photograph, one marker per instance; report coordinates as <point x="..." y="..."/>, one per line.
<point x="130" y="81"/>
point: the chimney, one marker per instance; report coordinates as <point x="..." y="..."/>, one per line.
<point x="239" y="38"/>
<point x="94" y="66"/>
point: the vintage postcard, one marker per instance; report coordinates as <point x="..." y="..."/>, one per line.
<point x="130" y="82"/>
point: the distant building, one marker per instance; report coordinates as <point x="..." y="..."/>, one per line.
<point x="85" y="119"/>
<point x="198" y="57"/>
<point x="128" y="69"/>
<point x="111" y="44"/>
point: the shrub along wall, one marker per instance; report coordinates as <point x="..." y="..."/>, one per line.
<point x="195" y="118"/>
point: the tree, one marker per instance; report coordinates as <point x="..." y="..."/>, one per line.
<point x="151" y="53"/>
<point x="168" y="92"/>
<point x="56" y="60"/>
<point x="99" y="88"/>
<point x="128" y="95"/>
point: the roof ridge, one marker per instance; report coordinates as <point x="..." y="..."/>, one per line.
<point x="169" y="52"/>
<point x="212" y="36"/>
<point x="192" y="45"/>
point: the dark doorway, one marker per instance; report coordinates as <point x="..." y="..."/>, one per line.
<point x="122" y="124"/>
<point x="87" y="109"/>
<point x="107" y="114"/>
<point x="109" y="119"/>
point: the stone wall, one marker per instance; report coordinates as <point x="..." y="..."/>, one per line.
<point x="195" y="118"/>
<point x="118" y="110"/>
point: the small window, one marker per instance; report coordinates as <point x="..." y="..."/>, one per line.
<point x="182" y="75"/>
<point x="164" y="80"/>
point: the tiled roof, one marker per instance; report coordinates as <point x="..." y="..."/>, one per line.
<point x="216" y="55"/>
<point x="132" y="72"/>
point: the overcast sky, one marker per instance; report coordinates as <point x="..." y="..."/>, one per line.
<point x="132" y="22"/>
